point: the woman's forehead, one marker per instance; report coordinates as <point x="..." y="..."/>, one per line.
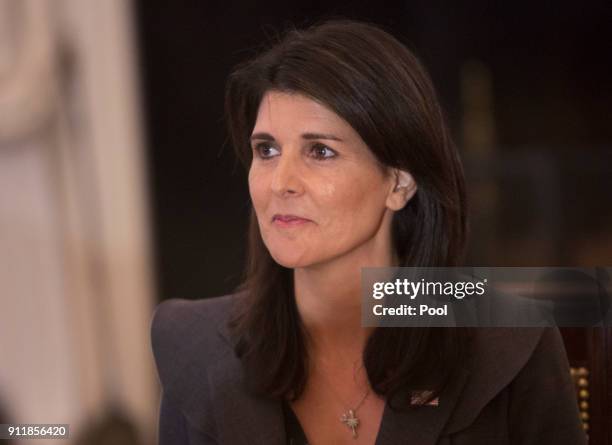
<point x="281" y="109"/>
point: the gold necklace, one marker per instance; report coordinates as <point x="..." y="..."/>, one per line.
<point x="349" y="417"/>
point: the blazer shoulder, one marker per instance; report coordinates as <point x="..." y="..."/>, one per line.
<point x="496" y="357"/>
<point x="528" y="368"/>
<point x="186" y="336"/>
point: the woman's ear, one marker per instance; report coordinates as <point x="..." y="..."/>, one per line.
<point x="404" y="188"/>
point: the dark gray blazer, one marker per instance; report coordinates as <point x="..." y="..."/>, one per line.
<point x="516" y="389"/>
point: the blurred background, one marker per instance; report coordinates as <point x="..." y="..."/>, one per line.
<point x="118" y="189"/>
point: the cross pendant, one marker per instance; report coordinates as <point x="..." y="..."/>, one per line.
<point x="351" y="421"/>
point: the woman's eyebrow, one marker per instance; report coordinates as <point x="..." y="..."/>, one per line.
<point x="262" y="136"/>
<point x="269" y="137"/>
<point x="321" y="136"/>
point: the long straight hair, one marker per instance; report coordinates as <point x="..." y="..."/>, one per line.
<point x="378" y="86"/>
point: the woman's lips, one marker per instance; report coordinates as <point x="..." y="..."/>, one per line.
<point x="286" y="221"/>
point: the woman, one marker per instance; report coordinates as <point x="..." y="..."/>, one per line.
<point x="350" y="164"/>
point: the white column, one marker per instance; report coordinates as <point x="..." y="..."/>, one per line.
<point x="76" y="292"/>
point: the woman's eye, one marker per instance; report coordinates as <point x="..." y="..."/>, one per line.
<point x="321" y="151"/>
<point x="265" y="151"/>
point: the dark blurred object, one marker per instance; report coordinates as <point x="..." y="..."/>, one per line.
<point x="114" y="428"/>
<point x="539" y="207"/>
<point x="590" y="355"/>
<point x="577" y="297"/>
<point x="4" y="418"/>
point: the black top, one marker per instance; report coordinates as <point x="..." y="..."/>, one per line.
<point x="295" y="433"/>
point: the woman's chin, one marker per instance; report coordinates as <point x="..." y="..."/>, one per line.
<point x="289" y="260"/>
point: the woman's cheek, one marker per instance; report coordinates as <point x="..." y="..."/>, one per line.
<point x="257" y="188"/>
<point x="328" y="189"/>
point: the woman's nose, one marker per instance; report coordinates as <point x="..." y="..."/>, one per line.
<point x="287" y="175"/>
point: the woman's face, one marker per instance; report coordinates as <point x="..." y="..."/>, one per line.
<point x="310" y="163"/>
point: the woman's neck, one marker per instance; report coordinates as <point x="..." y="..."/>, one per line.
<point x="328" y="298"/>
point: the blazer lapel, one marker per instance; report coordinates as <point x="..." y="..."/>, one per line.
<point x="242" y="418"/>
<point x="422" y="425"/>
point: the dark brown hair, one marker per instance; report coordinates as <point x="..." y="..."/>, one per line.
<point x="378" y="86"/>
